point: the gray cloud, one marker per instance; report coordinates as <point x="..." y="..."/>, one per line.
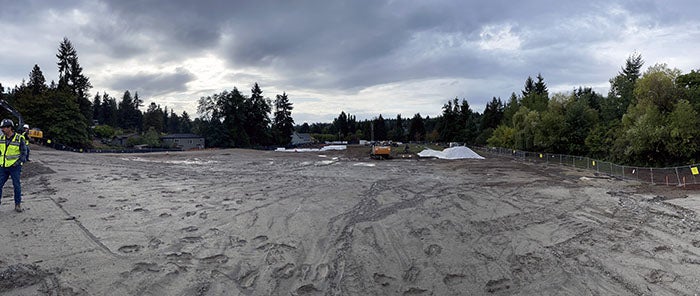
<point x="152" y="84"/>
<point x="342" y="48"/>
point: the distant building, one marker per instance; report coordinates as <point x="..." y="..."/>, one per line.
<point x="121" y="140"/>
<point x="301" y="139"/>
<point x="183" y="141"/>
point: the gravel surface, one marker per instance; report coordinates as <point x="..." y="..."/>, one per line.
<point x="244" y="222"/>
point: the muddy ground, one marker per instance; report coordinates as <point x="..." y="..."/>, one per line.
<point x="243" y="222"/>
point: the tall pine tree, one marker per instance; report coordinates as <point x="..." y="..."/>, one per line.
<point x="283" y="123"/>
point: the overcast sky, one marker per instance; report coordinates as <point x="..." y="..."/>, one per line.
<point x="364" y="57"/>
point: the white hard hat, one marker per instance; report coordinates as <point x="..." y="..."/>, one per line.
<point x="26" y="126"/>
<point x="6" y="123"/>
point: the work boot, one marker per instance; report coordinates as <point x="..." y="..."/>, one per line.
<point x="18" y="208"/>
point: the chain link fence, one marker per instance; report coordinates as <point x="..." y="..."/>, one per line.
<point x="670" y="176"/>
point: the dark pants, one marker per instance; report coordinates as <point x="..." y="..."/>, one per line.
<point x="14" y="172"/>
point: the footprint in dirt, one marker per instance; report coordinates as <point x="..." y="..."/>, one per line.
<point x="411" y="274"/>
<point x="259" y="239"/>
<point x="285" y="272"/>
<point x="433" y="250"/>
<point x="155" y="243"/>
<point x="383" y="279"/>
<point x="191" y="239"/>
<point x="416" y="291"/>
<point x="216" y="259"/>
<point x="308" y="289"/>
<point x="190" y="229"/>
<point x="235" y="241"/>
<point x="130" y="248"/>
<point x="181" y="257"/>
<point x="145" y="266"/>
<point x="453" y="279"/>
<point x="493" y="286"/>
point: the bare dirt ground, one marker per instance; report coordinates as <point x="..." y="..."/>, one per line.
<point x="243" y="222"/>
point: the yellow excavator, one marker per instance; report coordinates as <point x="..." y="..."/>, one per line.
<point x="14" y="112"/>
<point x="380" y="152"/>
<point x="34" y="134"/>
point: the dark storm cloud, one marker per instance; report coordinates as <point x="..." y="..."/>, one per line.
<point x="317" y="47"/>
<point x="355" y="44"/>
<point x="148" y="84"/>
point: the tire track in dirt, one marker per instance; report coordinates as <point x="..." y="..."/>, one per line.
<point x="346" y="275"/>
<point x="70" y="217"/>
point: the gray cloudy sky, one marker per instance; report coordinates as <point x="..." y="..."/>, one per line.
<point x="364" y="57"/>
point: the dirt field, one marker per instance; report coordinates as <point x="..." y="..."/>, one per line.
<point x="243" y="222"/>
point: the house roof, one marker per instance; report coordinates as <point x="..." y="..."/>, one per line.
<point x="303" y="136"/>
<point x="126" y="136"/>
<point x="181" y="136"/>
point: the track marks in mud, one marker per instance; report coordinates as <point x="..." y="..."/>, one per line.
<point x="498" y="285"/>
<point x="30" y="279"/>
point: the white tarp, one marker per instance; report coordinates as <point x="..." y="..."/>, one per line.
<point x="459" y="152"/>
<point x="324" y="148"/>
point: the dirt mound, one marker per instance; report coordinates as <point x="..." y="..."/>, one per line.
<point x="35" y="168"/>
<point x="21" y="275"/>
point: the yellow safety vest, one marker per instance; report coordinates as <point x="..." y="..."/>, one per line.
<point x="10" y="153"/>
<point x="26" y="138"/>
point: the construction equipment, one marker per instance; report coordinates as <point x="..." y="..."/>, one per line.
<point x="380" y="152"/>
<point x="35" y="134"/>
<point x="14" y="112"/>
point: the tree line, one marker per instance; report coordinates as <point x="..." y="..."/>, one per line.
<point x="66" y="114"/>
<point x="648" y="118"/>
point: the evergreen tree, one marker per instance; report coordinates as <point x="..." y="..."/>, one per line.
<point x="509" y="110"/>
<point x="536" y="98"/>
<point x="493" y="114"/>
<point x="469" y="127"/>
<point x="96" y="108"/>
<point x="173" y="123"/>
<point x="223" y="117"/>
<point x="109" y="110"/>
<point x="621" y="94"/>
<point x="37" y="82"/>
<point x="283" y="124"/>
<point x="153" y="118"/>
<point x="341" y="125"/>
<point x="125" y="106"/>
<point x="449" y="127"/>
<point x="71" y="78"/>
<point x="399" y="129"/>
<point x="416" y="130"/>
<point x="540" y="87"/>
<point x="380" y="133"/>
<point x="129" y="117"/>
<point x="489" y="121"/>
<point x="529" y="87"/>
<point x="257" y="123"/>
<point x="186" y="123"/>
<point x="67" y="124"/>
<point x="32" y="100"/>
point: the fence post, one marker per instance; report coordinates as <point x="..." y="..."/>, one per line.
<point x="623" y="170"/>
<point x="651" y="172"/>
<point x="678" y="177"/>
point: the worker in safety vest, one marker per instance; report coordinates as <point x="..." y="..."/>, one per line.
<point x="25" y="134"/>
<point x="13" y="153"/>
